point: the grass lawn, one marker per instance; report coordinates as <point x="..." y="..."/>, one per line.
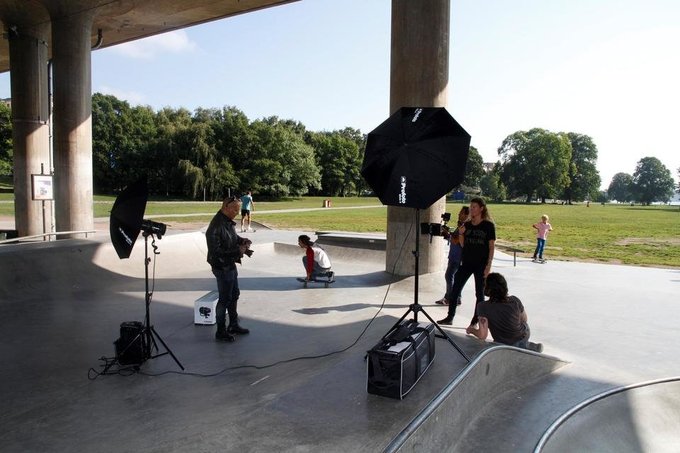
<point x="641" y="235"/>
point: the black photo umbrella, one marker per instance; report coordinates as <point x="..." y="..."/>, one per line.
<point x="415" y="157"/>
<point x="412" y="159"/>
<point x="126" y="217"/>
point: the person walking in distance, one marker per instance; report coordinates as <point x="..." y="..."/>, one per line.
<point x="225" y="249"/>
<point x="247" y="206"/>
<point x="542" y="229"/>
<point x="478" y="240"/>
<point x="455" y="254"/>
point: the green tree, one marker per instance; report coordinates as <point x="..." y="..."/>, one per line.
<point x="474" y="168"/>
<point x="621" y="188"/>
<point x="166" y="149"/>
<point x="280" y="162"/>
<point x="234" y="138"/>
<point x="339" y="159"/>
<point x="535" y="163"/>
<point x="652" y="181"/>
<point x="120" y="142"/>
<point x="492" y="187"/>
<point x="602" y="196"/>
<point x="6" y="146"/>
<point x="584" y="179"/>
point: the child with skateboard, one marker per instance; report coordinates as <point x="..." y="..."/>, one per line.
<point x="542" y="229"/>
<point x="316" y="262"/>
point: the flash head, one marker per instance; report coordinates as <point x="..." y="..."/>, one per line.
<point x="156" y="228"/>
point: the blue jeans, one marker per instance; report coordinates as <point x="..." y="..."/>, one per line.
<point x="318" y="271"/>
<point x="540" y="245"/>
<point x="451" y="270"/>
<point x="524" y="342"/>
<point x="227" y="286"/>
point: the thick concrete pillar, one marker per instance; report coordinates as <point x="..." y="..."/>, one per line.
<point x="30" y="130"/>
<point x="419" y="77"/>
<point x="72" y="119"/>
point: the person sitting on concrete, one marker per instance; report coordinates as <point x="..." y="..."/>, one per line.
<point x="316" y="261"/>
<point x="503" y="315"/>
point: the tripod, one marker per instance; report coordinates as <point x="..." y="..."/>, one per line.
<point x="149" y="331"/>
<point x="148" y="334"/>
<point x="415" y="307"/>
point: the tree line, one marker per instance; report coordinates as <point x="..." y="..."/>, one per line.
<point x="651" y="181"/>
<point x="207" y="153"/>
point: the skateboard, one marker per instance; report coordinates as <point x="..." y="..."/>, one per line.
<point x="326" y="283"/>
<point x="535" y="260"/>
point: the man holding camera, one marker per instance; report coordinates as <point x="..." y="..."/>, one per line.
<point x="225" y="249"/>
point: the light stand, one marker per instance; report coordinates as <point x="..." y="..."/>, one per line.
<point x="415" y="307"/>
<point x="149" y="331"/>
<point x="148" y="334"/>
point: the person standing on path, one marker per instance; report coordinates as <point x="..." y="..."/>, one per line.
<point x="247" y="205"/>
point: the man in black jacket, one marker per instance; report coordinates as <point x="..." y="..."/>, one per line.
<point x="225" y="249"/>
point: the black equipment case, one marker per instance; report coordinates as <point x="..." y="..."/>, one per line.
<point x="397" y="362"/>
<point x="130" y="345"/>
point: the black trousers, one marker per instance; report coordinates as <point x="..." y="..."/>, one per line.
<point x="460" y="278"/>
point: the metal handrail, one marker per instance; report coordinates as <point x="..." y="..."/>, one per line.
<point x="44" y="235"/>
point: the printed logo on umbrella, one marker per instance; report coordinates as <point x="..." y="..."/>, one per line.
<point x="402" y="194"/>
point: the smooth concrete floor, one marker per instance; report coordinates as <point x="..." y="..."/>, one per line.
<point x="282" y="387"/>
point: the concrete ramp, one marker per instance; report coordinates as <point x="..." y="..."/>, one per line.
<point x="296" y="383"/>
<point x="643" y="417"/>
<point x="442" y="424"/>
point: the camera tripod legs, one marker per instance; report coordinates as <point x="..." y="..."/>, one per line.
<point x="152" y="334"/>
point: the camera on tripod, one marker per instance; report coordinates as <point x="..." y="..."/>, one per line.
<point x="437" y="229"/>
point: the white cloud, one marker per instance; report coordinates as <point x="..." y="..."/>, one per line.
<point x="132" y="97"/>
<point x="172" y="42"/>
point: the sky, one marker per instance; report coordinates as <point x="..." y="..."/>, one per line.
<point x="609" y="69"/>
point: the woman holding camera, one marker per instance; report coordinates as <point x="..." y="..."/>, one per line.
<point x="478" y="238"/>
<point x="455" y="254"/>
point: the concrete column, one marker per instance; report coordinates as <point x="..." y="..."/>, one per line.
<point x="30" y="130"/>
<point x="419" y="77"/>
<point x="72" y="120"/>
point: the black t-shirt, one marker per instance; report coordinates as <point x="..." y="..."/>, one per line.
<point x="505" y="319"/>
<point x="476" y="245"/>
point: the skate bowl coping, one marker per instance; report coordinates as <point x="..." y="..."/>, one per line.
<point x="441" y="425"/>
<point x="639" y="417"/>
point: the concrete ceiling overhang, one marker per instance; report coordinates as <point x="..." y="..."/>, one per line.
<point x="119" y="20"/>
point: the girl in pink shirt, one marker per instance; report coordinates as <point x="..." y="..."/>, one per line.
<point x="542" y="228"/>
